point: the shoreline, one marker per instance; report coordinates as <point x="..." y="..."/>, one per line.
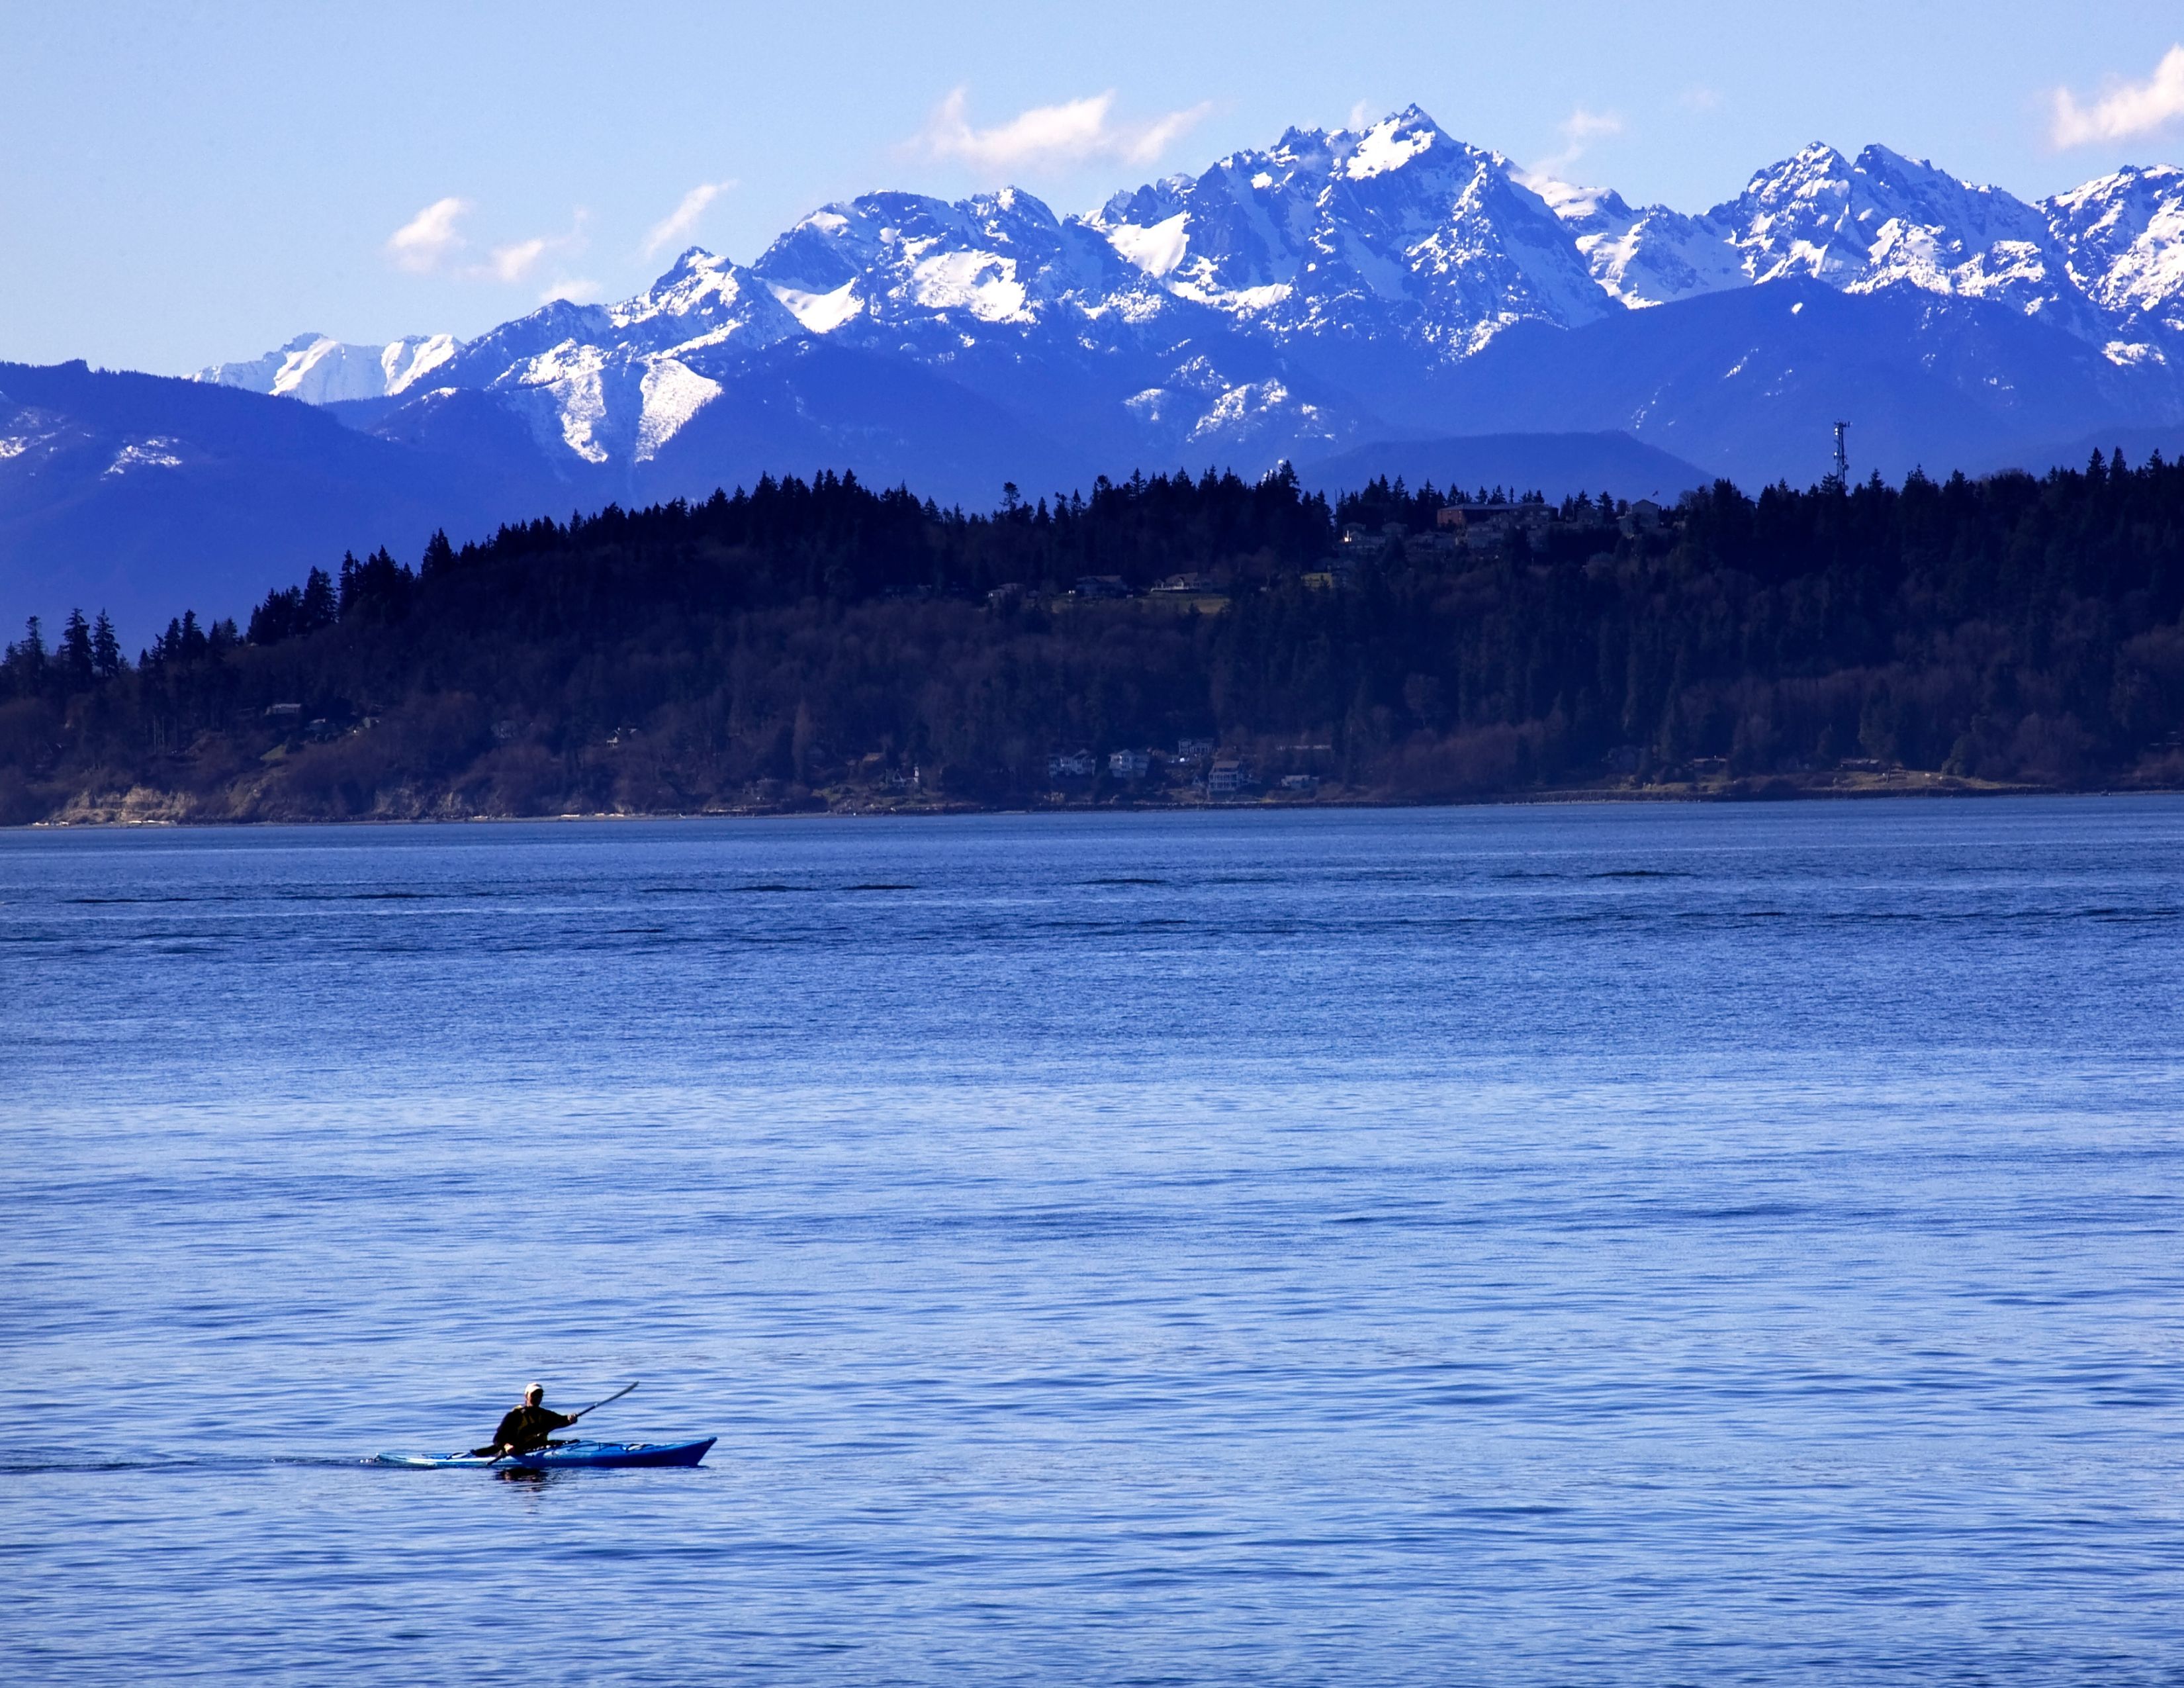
<point x="1892" y="785"/>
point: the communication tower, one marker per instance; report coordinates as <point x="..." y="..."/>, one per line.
<point x="1843" y="453"/>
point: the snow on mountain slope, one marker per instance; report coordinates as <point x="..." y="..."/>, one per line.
<point x="898" y="258"/>
<point x="1039" y="312"/>
<point x="615" y="383"/>
<point x="2124" y="234"/>
<point x="1646" y="257"/>
<point x="321" y="370"/>
<point x="606" y="404"/>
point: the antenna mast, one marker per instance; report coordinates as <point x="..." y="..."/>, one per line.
<point x="1843" y="453"/>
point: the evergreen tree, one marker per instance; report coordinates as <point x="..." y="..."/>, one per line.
<point x="25" y="661"/>
<point x="318" y="607"/>
<point x="76" y="660"/>
<point x="105" y="648"/>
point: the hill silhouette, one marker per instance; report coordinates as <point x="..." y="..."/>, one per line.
<point x="822" y="643"/>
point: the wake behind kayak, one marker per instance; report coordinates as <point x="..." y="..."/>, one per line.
<point x="560" y="1456"/>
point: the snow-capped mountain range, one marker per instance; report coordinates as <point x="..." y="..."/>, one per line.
<point x="1286" y="302"/>
<point x="1356" y="301"/>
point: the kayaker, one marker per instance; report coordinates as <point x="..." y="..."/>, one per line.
<point x="528" y="1426"/>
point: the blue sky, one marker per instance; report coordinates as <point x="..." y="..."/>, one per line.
<point x="183" y="183"/>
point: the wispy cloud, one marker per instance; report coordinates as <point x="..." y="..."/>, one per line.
<point x="1052" y="136"/>
<point x="432" y="242"/>
<point x="519" y="260"/>
<point x="1579" y="130"/>
<point x="679" y="223"/>
<point x="513" y="262"/>
<point x="577" y="290"/>
<point x="1699" y="97"/>
<point x="429" y="239"/>
<point x="2125" y="111"/>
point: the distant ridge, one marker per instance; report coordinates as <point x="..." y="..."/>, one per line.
<point x="1560" y="465"/>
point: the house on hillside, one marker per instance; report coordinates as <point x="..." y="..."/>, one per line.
<point x="1228" y="776"/>
<point x="1186" y="593"/>
<point x="1483" y="527"/>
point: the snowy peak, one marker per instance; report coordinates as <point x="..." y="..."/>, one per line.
<point x="1888" y="220"/>
<point x="702" y="301"/>
<point x="1000" y="258"/>
<point x="1394" y="143"/>
<point x="1794" y="220"/>
<point x="1880" y="221"/>
<point x="1393" y="231"/>
<point x="322" y="370"/>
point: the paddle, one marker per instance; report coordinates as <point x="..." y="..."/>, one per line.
<point x="604" y="1401"/>
<point x="596" y="1405"/>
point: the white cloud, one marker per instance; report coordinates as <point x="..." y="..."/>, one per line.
<point x="430" y="239"/>
<point x="576" y="289"/>
<point x="2125" y="111"/>
<point x="683" y="219"/>
<point x="1580" y="129"/>
<point x="1699" y="97"/>
<point x="516" y="261"/>
<point x="1362" y="116"/>
<point x="1052" y="136"/>
<point x="513" y="262"/>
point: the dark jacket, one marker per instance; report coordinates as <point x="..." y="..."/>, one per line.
<point x="528" y="1427"/>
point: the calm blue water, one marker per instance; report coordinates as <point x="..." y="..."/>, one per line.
<point x="1521" y="1246"/>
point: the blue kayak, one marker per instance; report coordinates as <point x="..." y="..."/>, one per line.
<point x="562" y="1456"/>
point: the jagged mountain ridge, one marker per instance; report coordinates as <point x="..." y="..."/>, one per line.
<point x="1388" y="296"/>
<point x="1289" y="301"/>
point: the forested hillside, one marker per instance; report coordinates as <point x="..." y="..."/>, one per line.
<point x="805" y="644"/>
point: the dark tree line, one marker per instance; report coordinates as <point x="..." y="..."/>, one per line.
<point x="823" y="637"/>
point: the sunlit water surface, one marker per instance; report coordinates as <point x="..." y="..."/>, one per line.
<point x="1520" y="1246"/>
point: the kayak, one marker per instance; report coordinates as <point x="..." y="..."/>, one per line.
<point x="562" y="1456"/>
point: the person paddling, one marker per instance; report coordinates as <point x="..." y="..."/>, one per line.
<point x="528" y="1426"/>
